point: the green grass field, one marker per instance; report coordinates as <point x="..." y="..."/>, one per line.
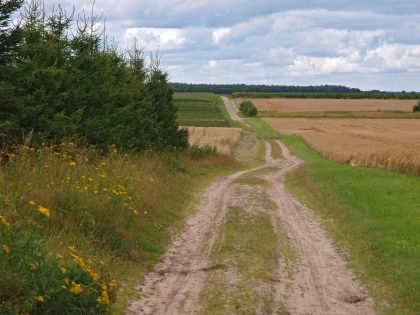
<point x="200" y="109"/>
<point x="373" y="214"/>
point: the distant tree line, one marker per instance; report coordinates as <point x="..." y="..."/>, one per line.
<point x="272" y="91"/>
<point x="60" y="77"/>
<point x="359" y="95"/>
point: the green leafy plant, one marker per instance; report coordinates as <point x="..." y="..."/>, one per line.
<point x="248" y="109"/>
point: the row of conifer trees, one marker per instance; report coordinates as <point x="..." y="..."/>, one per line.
<point x="62" y="78"/>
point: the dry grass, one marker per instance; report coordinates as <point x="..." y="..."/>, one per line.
<point x="220" y="137"/>
<point x="326" y="105"/>
<point x="389" y="144"/>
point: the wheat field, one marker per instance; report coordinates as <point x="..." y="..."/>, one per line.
<point x="325" y="105"/>
<point x="221" y="137"/>
<point x="392" y="144"/>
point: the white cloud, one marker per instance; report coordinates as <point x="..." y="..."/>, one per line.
<point x="156" y="38"/>
<point x="286" y="42"/>
<point x="220" y="34"/>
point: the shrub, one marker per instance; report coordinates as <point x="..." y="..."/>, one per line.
<point x="416" y="108"/>
<point x="248" y="109"/>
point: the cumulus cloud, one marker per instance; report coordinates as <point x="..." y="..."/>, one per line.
<point x="271" y="41"/>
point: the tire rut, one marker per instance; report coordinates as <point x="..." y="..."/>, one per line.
<point x="319" y="283"/>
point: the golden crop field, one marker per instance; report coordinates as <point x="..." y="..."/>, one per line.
<point x="220" y="137"/>
<point x="385" y="143"/>
<point x="325" y="105"/>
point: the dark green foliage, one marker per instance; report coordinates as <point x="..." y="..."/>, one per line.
<point x="57" y="85"/>
<point x="234" y="88"/>
<point x="416" y="108"/>
<point x="248" y="109"/>
<point x="9" y="36"/>
<point x="290" y="91"/>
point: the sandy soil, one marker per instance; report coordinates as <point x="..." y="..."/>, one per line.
<point x="321" y="281"/>
<point x="231" y="108"/>
<point x="308" y="105"/>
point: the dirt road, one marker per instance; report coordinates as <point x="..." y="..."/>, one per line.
<point x="210" y="269"/>
<point x="231" y="109"/>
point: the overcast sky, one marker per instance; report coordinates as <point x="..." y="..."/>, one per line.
<point x="367" y="44"/>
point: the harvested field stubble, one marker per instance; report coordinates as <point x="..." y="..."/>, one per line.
<point x="389" y="144"/>
<point x="222" y="138"/>
<point x="326" y="105"/>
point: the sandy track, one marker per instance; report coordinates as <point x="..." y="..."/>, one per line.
<point x="319" y="282"/>
<point x="231" y="109"/>
<point x="176" y="282"/>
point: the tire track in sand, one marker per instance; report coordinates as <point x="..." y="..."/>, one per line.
<point x="320" y="283"/>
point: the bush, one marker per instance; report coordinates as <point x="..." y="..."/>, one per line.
<point x="248" y="109"/>
<point x="416" y="108"/>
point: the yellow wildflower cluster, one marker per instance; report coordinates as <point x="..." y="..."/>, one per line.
<point x="4" y="222"/>
<point x="40" y="298"/>
<point x="104" y="298"/>
<point x="44" y="211"/>
<point x="82" y="265"/>
<point x="76" y="288"/>
<point x="6" y="249"/>
<point x="41" y="209"/>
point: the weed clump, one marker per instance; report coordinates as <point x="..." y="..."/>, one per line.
<point x="416" y="108"/>
<point x="197" y="151"/>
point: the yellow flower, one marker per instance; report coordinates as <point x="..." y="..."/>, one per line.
<point x="104" y="298"/>
<point x="72" y="164"/>
<point x="6" y="249"/>
<point x="66" y="280"/>
<point x="76" y="289"/>
<point x="40" y="298"/>
<point x="73" y="249"/>
<point x="4" y="222"/>
<point x="63" y="270"/>
<point x="32" y="267"/>
<point x="59" y="256"/>
<point x="145" y="212"/>
<point x="32" y="203"/>
<point x="136" y="212"/>
<point x="44" y="211"/>
<point x="113" y="284"/>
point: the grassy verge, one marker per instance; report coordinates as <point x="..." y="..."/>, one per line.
<point x="374" y="215"/>
<point x="344" y="114"/>
<point x="76" y="225"/>
<point x="248" y="258"/>
<point x="276" y="153"/>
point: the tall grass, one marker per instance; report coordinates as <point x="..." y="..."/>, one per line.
<point x="69" y="217"/>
